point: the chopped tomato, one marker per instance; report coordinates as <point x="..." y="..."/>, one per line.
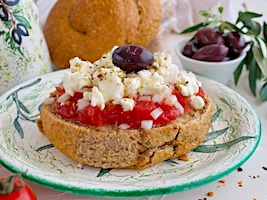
<point x="114" y="114"/>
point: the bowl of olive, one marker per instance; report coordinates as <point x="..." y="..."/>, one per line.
<point x="212" y="54"/>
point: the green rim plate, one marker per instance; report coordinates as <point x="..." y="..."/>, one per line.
<point x="232" y="139"/>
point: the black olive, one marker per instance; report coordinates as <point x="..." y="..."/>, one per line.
<point x="132" y="58"/>
<point x="11" y="2"/>
<point x="3" y="13"/>
<point x="22" y="30"/>
<point x="16" y="36"/>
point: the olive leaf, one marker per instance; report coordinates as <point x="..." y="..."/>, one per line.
<point x="18" y="128"/>
<point x="263" y="92"/>
<point x="48" y="146"/>
<point x="262" y="47"/>
<point x="262" y="61"/>
<point x="194" y="28"/>
<point x="215" y="134"/>
<point x="216" y="115"/>
<point x="265" y="31"/>
<point x="103" y="172"/>
<point x="219" y="147"/>
<point x="247" y="15"/>
<point x="220" y="9"/>
<point x="23" y="20"/>
<point x="238" y="71"/>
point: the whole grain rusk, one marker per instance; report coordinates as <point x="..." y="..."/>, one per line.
<point x="89" y="28"/>
<point x="111" y="147"/>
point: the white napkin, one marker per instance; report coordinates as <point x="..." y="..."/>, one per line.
<point x="181" y="14"/>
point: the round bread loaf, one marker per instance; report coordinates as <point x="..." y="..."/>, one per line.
<point x="89" y="28"/>
<point x="111" y="147"/>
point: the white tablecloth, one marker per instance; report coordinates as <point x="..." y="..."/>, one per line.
<point x="254" y="173"/>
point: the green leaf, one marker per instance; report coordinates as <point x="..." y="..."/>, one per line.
<point x="220" y="147"/>
<point x="12" y="43"/>
<point x="249" y="57"/>
<point x="254" y="28"/>
<point x="171" y="161"/>
<point x="233" y="27"/>
<point x="23" y="107"/>
<point x="238" y="71"/>
<point x="220" y="9"/>
<point x="216" y="115"/>
<point x="247" y="15"/>
<point x="265" y="31"/>
<point x="263" y="92"/>
<point x="215" y="134"/>
<point x="7" y="37"/>
<point x="19" y="128"/>
<point x="252" y="76"/>
<point x="213" y="24"/>
<point x="261" y="61"/>
<point x="2" y="32"/>
<point x="16" y="11"/>
<point x="194" y="28"/>
<point x="103" y="172"/>
<point x="45" y="147"/>
<point x="8" y="23"/>
<point x="262" y="46"/>
<point x="23" y="20"/>
<point x="207" y="14"/>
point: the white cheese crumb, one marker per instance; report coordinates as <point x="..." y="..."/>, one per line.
<point x="197" y="102"/>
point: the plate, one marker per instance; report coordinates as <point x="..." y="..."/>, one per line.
<point x="232" y="139"/>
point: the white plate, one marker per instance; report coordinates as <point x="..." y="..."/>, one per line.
<point x="233" y="137"/>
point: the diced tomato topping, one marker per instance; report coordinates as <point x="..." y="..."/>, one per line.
<point x="114" y="114"/>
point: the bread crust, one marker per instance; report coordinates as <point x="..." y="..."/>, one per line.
<point x="89" y="28"/>
<point x="111" y="147"/>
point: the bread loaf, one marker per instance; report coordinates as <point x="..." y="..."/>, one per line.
<point x="115" y="114"/>
<point x="111" y="147"/>
<point x="88" y="28"/>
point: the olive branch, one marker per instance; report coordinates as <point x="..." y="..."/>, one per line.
<point x="17" y="25"/>
<point x="256" y="58"/>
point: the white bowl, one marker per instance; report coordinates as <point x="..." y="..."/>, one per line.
<point x="219" y="71"/>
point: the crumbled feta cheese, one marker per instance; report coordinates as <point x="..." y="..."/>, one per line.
<point x="153" y="90"/>
<point x="103" y="82"/>
<point x="97" y="98"/>
<point x="127" y="103"/>
<point x="197" y="102"/>
<point x="171" y="100"/>
<point x="82" y="103"/>
<point x="187" y="83"/>
<point x="132" y="85"/>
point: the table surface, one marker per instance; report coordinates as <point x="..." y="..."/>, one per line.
<point x="248" y="184"/>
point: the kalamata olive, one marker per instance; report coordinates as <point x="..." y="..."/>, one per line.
<point x="3" y="13"/>
<point x="236" y="43"/>
<point x="11" y="2"/>
<point x="22" y="30"/>
<point x="132" y="58"/>
<point x="211" y="53"/>
<point x="189" y="49"/>
<point x="207" y="35"/>
<point x="16" y="36"/>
